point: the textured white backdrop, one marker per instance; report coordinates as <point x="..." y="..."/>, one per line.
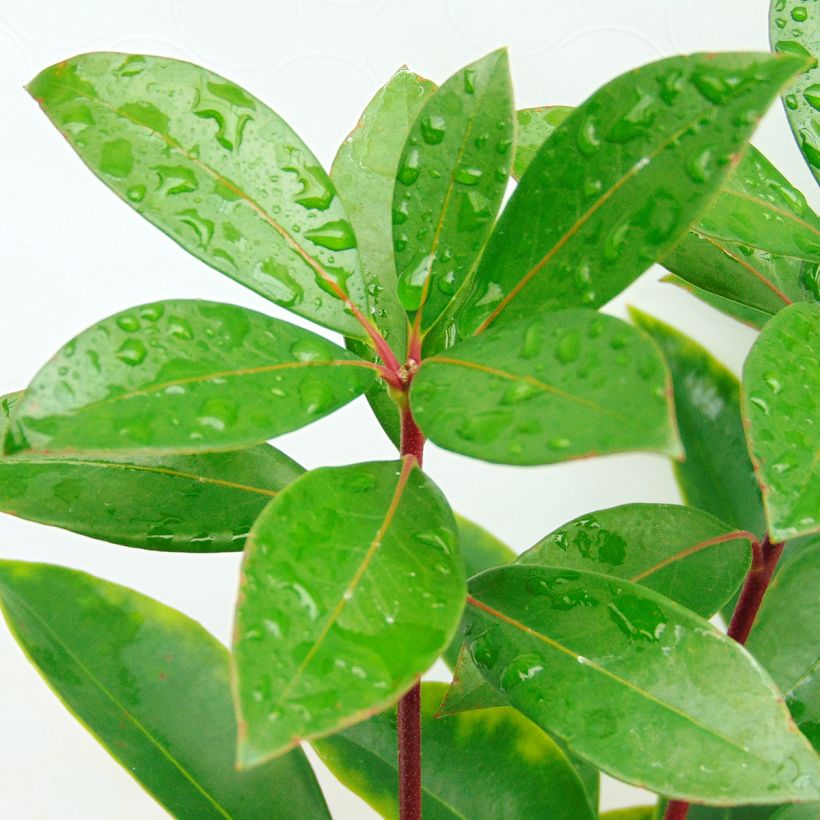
<point x="71" y="253"/>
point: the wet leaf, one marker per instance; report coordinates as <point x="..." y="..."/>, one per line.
<point x="564" y="385"/>
<point x="716" y="475"/>
<point x="450" y="180"/>
<point x="748" y="316"/>
<point x="535" y="125"/>
<point x="794" y="28"/>
<point x="492" y="762"/>
<point x="215" y="169"/>
<point x="683" y="553"/>
<point x="352" y="587"/>
<point x="619" y="181"/>
<point x="781" y="383"/>
<point x="183" y="376"/>
<point x="615" y="669"/>
<point x="152" y="686"/>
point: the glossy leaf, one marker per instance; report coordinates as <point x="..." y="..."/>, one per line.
<point x="215" y="169"/>
<point x="794" y="28"/>
<point x="619" y="181"/>
<point x="716" y="475"/>
<point x="197" y="503"/>
<point x="352" y="586"/>
<point x="784" y="637"/>
<point x="475" y="765"/>
<point x="563" y="385"/>
<point x="152" y="686"/>
<point x="721" y="812"/>
<point x="639" y="672"/>
<point x="364" y="173"/>
<point x="450" y="180"/>
<point x="748" y="316"/>
<point x="535" y="125"/>
<point x="781" y="383"/>
<point x="183" y="376"/>
<point x="683" y="553"/>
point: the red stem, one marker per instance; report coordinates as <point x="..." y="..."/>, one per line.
<point x="764" y="561"/>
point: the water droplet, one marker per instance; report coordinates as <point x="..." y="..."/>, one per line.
<point x="469" y="80"/>
<point x="533" y="341"/>
<point x="772" y="381"/>
<point x="474" y="211"/>
<point x="637" y="618"/>
<point x="812" y="95"/>
<point x="800" y="14"/>
<point x="180" y="328"/>
<point x="614" y="242"/>
<point x="316" y="396"/>
<point x="336" y="235"/>
<point x="132" y="352"/>
<point x="128" y="322"/>
<point x="569" y="347"/>
<point x="635" y="121"/>
<point x="432" y="129"/>
<point x="276" y="282"/>
<point x="136" y="193"/>
<point x="308" y="350"/>
<point x="761" y="404"/>
<point x="484" y="428"/>
<point x="409" y="171"/>
<point x="521" y="669"/>
<point x="484" y="650"/>
<point x="447" y="282"/>
<point x="468" y="176"/>
<point x="697" y="166"/>
<point x="411" y="283"/>
<point x="520" y="391"/>
<point x="588" y="139"/>
<point x="175" y="179"/>
<point x="203" y="228"/>
<point x="401" y="213"/>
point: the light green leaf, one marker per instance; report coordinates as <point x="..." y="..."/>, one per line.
<point x="534" y="126"/>
<point x="748" y="316"/>
<point x="449" y="184"/>
<point x="619" y="181"/>
<point x="563" y="385"/>
<point x="781" y="383"/>
<point x="215" y="169"/>
<point x="632" y="813"/>
<point x="491" y="763"/>
<point x="352" y="587"/>
<point x="640" y="672"/>
<point x="152" y="686"/>
<point x="183" y="376"/>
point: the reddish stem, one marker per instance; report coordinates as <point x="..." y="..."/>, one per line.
<point x="764" y="561"/>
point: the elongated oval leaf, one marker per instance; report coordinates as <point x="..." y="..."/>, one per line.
<point x="781" y="383"/>
<point x="492" y="762"/>
<point x="564" y="385"/>
<point x="183" y="376"/>
<point x="449" y="184"/>
<point x="215" y="169"/>
<point x="152" y="686"/>
<point x="618" y="181"/>
<point x="794" y="28"/>
<point x="716" y="475"/>
<point x="683" y="553"/>
<point x="615" y="669"/>
<point x="352" y="587"/>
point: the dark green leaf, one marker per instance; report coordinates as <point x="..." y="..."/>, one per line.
<point x="215" y="169"/>
<point x="152" y="686"/>
<point x="183" y="376"/>
<point x="450" y="180"/>
<point x="797" y="812"/>
<point x="683" y="553"/>
<point x="534" y="126"/>
<point x="794" y="28"/>
<point x="632" y="813"/>
<point x="616" y="669"/>
<point x="781" y="383"/>
<point x="564" y="385"/>
<point x="480" y="764"/>
<point x="749" y="316"/>
<point x="617" y="183"/>
<point x="352" y="587"/>
<point x="717" y="475"/>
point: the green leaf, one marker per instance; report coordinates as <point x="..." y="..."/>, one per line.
<point x="632" y="813"/>
<point x="215" y="169"/>
<point x="364" y="173"/>
<point x="153" y="687"/>
<point x="534" y="126"/>
<point x="781" y="383"/>
<point x="618" y="182"/>
<point x="784" y="637"/>
<point x="450" y="180"/>
<point x="683" y="553"/>
<point x="797" y="812"/>
<point x="717" y="475"/>
<point x="183" y="376"/>
<point x="794" y="28"/>
<point x="352" y="587"/>
<point x="748" y="316"/>
<point x="563" y="385"/>
<point x="492" y="763"/>
<point x="615" y="669"/>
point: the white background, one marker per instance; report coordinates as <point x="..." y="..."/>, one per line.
<point x="71" y="253"/>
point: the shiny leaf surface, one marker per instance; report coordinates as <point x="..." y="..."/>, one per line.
<point x="535" y="125"/>
<point x="618" y="181"/>
<point x="478" y="764"/>
<point x="640" y="672"/>
<point x="716" y="475"/>
<point x="183" y="376"/>
<point x="564" y="385"/>
<point x="781" y="384"/>
<point x="450" y="180"/>
<point x="683" y="553"/>
<point x="215" y="169"/>
<point x="153" y="687"/>
<point x="352" y="586"/>
<point x="748" y="316"/>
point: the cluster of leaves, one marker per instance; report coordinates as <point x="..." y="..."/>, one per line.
<point x="590" y="651"/>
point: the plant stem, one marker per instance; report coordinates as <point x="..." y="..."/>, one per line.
<point x="409" y="711"/>
<point x="764" y="561"/>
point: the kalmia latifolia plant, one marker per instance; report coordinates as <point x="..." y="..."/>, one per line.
<point x="476" y="327"/>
